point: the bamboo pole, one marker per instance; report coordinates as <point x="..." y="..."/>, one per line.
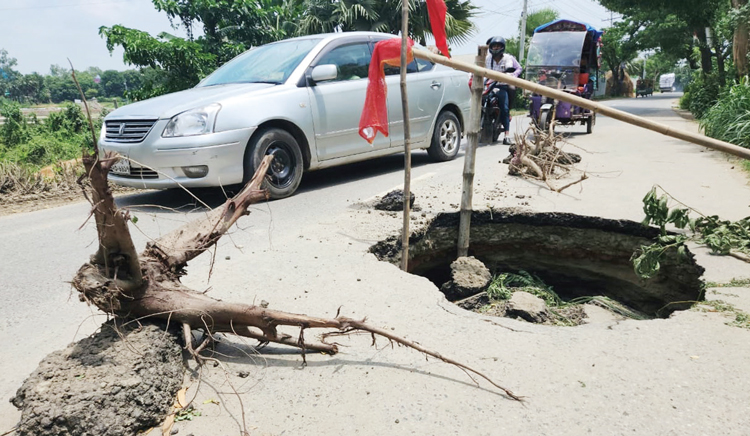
<point x="407" y="139"/>
<point x="467" y="194"/>
<point x="645" y="123"/>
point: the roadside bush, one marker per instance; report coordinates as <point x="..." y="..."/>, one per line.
<point x="729" y="119"/>
<point x="14" y="129"/>
<point x="702" y="93"/>
<point x="71" y="119"/>
<point x="46" y="149"/>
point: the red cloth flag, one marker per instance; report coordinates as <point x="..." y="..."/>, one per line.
<point x="437" y="10"/>
<point x="375" y="114"/>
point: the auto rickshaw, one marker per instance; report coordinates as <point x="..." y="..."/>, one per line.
<point x="564" y="55"/>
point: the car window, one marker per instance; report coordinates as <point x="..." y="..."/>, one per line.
<point x="424" y="65"/>
<point x="263" y="64"/>
<point x="352" y="61"/>
<point x="392" y="71"/>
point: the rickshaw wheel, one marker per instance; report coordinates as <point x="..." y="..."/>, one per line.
<point x="590" y="123"/>
<point x="544" y="120"/>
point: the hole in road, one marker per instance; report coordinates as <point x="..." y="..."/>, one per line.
<point x="572" y="262"/>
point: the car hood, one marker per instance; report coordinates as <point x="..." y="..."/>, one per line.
<point x="169" y="105"/>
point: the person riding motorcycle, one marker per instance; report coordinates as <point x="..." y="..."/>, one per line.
<point x="498" y="60"/>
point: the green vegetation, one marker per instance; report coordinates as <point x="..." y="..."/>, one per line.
<point x="729" y="118"/>
<point x="29" y="142"/>
<point x="741" y="319"/>
<point x="734" y="283"/>
<point x="231" y="27"/>
<point x="722" y="237"/>
<point x="503" y="286"/>
<point x="57" y="86"/>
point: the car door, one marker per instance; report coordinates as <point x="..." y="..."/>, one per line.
<point x="337" y="104"/>
<point x="425" y="89"/>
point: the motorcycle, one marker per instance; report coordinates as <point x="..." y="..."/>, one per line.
<point x="491" y="125"/>
<point x="492" y="105"/>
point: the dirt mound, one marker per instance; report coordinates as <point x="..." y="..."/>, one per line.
<point x="394" y="201"/>
<point x="117" y="382"/>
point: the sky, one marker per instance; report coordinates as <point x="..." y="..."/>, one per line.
<point x="40" y="33"/>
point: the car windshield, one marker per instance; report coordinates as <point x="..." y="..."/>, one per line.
<point x="556" y="48"/>
<point x="271" y="63"/>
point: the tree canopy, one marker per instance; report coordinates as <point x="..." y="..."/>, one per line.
<point x="229" y="27"/>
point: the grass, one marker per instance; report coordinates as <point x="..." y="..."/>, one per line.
<point x="503" y="286"/>
<point x="734" y="283"/>
<point x="741" y="318"/>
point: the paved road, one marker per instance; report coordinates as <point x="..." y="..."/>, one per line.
<point x="306" y="254"/>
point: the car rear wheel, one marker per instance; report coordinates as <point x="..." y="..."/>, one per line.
<point x="446" y="137"/>
<point x="285" y="173"/>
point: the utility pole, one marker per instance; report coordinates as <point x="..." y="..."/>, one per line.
<point x="522" y="38"/>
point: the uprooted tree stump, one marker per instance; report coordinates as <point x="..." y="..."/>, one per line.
<point x="541" y="158"/>
<point x="147" y="287"/>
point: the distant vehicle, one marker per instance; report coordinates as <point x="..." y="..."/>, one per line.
<point x="563" y="55"/>
<point x="666" y="82"/>
<point x="299" y="99"/>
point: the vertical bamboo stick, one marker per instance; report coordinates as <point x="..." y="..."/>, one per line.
<point x="407" y="137"/>
<point x="467" y="194"/>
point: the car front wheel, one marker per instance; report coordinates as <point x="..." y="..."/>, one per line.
<point x="446" y="137"/>
<point x="285" y="173"/>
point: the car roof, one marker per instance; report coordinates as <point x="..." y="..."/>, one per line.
<point x="338" y="35"/>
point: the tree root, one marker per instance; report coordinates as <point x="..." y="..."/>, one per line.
<point x="131" y="286"/>
<point x="541" y="157"/>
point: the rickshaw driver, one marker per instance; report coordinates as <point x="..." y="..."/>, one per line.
<point x="498" y="60"/>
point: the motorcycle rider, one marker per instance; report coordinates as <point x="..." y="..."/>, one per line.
<point x="498" y="60"/>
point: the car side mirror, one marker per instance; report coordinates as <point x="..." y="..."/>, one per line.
<point x="325" y="72"/>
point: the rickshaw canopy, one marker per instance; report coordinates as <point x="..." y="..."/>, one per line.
<point x="568" y="25"/>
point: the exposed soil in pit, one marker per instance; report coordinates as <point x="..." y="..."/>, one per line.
<point x="577" y="255"/>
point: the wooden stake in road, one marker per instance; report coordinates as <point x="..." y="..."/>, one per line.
<point x="467" y="193"/>
<point x="407" y="138"/>
<point x="635" y="120"/>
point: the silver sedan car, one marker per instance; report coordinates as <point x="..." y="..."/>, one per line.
<point x="299" y="99"/>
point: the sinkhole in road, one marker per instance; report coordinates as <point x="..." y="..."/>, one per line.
<point x="578" y="256"/>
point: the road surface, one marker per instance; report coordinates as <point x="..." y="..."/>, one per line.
<point x="686" y="375"/>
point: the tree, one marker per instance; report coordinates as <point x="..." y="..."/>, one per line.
<point x="232" y="26"/>
<point x="319" y="16"/>
<point x="670" y="21"/>
<point x="7" y="74"/>
<point x="619" y="48"/>
<point x="741" y="15"/>
<point x="533" y="20"/>
<point x="29" y="88"/>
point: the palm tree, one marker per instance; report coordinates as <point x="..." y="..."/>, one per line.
<point x="322" y="16"/>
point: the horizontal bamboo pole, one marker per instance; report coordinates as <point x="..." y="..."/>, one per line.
<point x="705" y="141"/>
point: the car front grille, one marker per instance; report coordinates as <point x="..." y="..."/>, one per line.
<point x="129" y="131"/>
<point x="139" y="173"/>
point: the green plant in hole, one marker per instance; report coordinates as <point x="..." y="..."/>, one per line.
<point x="722" y="237"/>
<point x="503" y="286"/>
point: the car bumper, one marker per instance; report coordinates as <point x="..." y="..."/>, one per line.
<point x="156" y="163"/>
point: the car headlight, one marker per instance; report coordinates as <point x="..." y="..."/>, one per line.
<point x="198" y="121"/>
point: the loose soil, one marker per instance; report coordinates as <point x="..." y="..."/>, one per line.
<point x="120" y="381"/>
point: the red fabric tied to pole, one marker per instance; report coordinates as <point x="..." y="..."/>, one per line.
<point x="375" y="114"/>
<point x="437" y="10"/>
